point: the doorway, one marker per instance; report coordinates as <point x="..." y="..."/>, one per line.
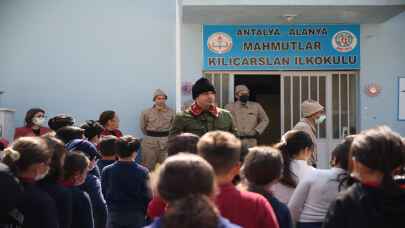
<point x="265" y="89"/>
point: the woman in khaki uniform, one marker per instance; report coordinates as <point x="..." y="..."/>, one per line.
<point x="155" y="123"/>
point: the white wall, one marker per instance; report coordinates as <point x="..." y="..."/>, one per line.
<point x="83" y="57"/>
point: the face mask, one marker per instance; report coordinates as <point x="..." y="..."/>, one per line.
<point x="39" y="121"/>
<point x="321" y="119"/>
<point x="244" y="98"/>
<point x="42" y="176"/>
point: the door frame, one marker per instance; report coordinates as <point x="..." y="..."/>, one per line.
<point x="327" y="143"/>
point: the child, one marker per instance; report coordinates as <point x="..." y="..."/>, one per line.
<point x="52" y="182"/>
<point x="187" y="183"/>
<point x="75" y="172"/>
<point x="262" y="168"/>
<point x="377" y="201"/>
<point x="29" y="158"/>
<point x="296" y="148"/>
<point x="125" y="186"/>
<point x="249" y="210"/>
<point x="108" y="150"/>
<point x="92" y="183"/>
<point x="313" y="195"/>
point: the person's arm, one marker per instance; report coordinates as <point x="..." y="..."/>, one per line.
<point x="143" y="122"/>
<point x="263" y="120"/>
<point x="146" y="191"/>
<point x="298" y="198"/>
<point x="86" y="211"/>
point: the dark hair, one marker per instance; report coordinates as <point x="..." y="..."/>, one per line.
<point x="341" y="155"/>
<point x="68" y="133"/>
<point x="30" y="115"/>
<point x="127" y="145"/>
<point x="58" y="150"/>
<point x="294" y="142"/>
<point x="380" y="149"/>
<point x="185" y="174"/>
<point x="106" y="116"/>
<point x="75" y="162"/>
<point x="191" y="211"/>
<point x="108" y="145"/>
<point x="59" y="121"/>
<point x="24" y="152"/>
<point x="185" y="142"/>
<point x="92" y="129"/>
<point x="2" y="146"/>
<point x="263" y="165"/>
<point x="221" y="149"/>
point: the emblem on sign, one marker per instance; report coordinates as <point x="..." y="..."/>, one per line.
<point x="219" y="43"/>
<point x="344" y="41"/>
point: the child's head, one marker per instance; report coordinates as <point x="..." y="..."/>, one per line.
<point x="185" y="142"/>
<point x="222" y="150"/>
<point x="92" y="130"/>
<point x="87" y="148"/>
<point x="263" y="166"/>
<point x="341" y="154"/>
<point x="127" y="146"/>
<point x="378" y="153"/>
<point x="185" y="174"/>
<point x="294" y="145"/>
<point x="108" y="146"/>
<point x="28" y="157"/>
<point x="59" y="152"/>
<point x="76" y="168"/>
<point x="69" y="133"/>
<point x="62" y="120"/>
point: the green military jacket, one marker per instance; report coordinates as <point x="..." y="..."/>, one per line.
<point x="186" y="122"/>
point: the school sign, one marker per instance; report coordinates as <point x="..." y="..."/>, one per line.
<point x="281" y="47"/>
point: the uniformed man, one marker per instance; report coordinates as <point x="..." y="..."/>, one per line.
<point x="249" y="117"/>
<point x="203" y="115"/>
<point x="313" y="114"/>
<point x="155" y="124"/>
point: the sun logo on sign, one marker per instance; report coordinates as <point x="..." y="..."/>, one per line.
<point x="219" y="43"/>
<point x="344" y="41"/>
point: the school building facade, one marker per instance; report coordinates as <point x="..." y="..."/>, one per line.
<point x="84" y="57"/>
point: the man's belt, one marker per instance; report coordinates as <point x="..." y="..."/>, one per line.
<point x="157" y="133"/>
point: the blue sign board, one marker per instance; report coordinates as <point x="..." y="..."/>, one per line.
<point x="281" y="47"/>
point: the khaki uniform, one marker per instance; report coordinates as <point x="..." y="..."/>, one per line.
<point x="308" y="127"/>
<point x="250" y="119"/>
<point x="155" y="125"/>
<point x="186" y="122"/>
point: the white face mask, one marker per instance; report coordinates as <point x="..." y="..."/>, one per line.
<point x="321" y="119"/>
<point x="39" y="121"/>
<point x="42" y="176"/>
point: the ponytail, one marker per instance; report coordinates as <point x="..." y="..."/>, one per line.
<point x="11" y="158"/>
<point x="194" y="210"/>
<point x="288" y="177"/>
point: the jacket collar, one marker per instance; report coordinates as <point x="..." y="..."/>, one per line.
<point x="196" y="110"/>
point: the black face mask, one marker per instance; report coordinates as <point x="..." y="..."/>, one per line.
<point x="244" y="98"/>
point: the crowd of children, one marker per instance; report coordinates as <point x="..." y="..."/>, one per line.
<point x="68" y="176"/>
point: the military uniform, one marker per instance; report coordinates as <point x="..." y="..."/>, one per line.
<point x="155" y="124"/>
<point x="202" y="122"/>
<point x="250" y="119"/>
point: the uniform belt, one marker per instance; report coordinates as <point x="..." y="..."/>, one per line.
<point x="157" y="133"/>
<point x="248" y="137"/>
